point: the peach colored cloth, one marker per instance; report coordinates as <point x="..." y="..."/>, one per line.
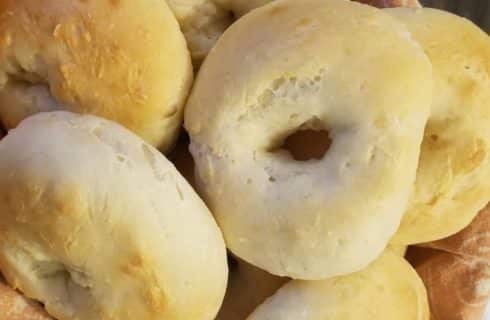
<point x="456" y="271"/>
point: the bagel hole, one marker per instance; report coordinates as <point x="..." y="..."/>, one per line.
<point x="307" y="144"/>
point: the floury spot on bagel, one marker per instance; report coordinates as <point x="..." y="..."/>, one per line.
<point x="327" y="65"/>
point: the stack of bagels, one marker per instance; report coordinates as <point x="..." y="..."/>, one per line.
<point x="321" y="139"/>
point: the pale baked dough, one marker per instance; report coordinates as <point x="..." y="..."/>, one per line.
<point x="316" y="64"/>
<point x="204" y="21"/>
<point x="248" y="287"/>
<point x="97" y="224"/>
<point x="389" y="289"/>
<point x="125" y="60"/>
<point x="453" y="178"/>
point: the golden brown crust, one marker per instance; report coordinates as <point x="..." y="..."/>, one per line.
<point x="126" y="61"/>
<point x="388" y="289"/>
<point x="453" y="175"/>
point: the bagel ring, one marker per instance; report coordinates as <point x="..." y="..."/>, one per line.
<point x="123" y="60"/>
<point x="329" y="65"/>
<point x="97" y="224"/>
<point x="388" y="289"/>
<point x="204" y="21"/>
<point x="453" y="178"/>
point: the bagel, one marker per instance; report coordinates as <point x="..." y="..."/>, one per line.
<point x="203" y="21"/>
<point x="97" y="224"/>
<point x="122" y="60"/>
<point x="352" y="73"/>
<point x="248" y="287"/>
<point x="388" y="289"/>
<point x="453" y="177"/>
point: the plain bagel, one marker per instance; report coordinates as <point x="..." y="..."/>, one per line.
<point x="321" y="65"/>
<point x="388" y="289"/>
<point x="123" y="60"/>
<point x="204" y="21"/>
<point x="453" y="178"/>
<point x="97" y="224"/>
